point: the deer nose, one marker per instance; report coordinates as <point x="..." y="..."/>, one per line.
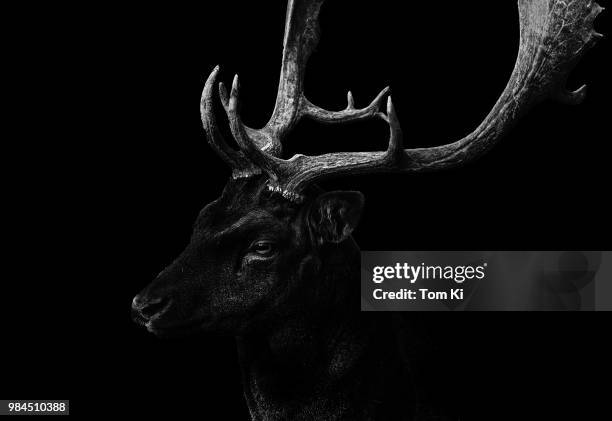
<point x="143" y="309"/>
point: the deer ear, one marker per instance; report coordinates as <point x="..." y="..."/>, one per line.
<point x="334" y="215"/>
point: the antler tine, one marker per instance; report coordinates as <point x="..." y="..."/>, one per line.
<point x="554" y="35"/>
<point x="239" y="164"/>
<point x="215" y="138"/>
<point x="248" y="146"/>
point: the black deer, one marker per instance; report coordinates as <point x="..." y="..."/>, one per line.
<point x="272" y="260"/>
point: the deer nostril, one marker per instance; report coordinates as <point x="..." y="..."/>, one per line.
<point x="153" y="307"/>
<point x="150" y="308"/>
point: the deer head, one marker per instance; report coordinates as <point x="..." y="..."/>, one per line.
<point x="273" y="243"/>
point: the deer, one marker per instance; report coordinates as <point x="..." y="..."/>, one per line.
<point x="272" y="261"/>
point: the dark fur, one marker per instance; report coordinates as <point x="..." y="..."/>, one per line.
<point x="306" y="350"/>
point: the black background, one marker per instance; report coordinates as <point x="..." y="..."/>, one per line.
<point x="123" y="169"/>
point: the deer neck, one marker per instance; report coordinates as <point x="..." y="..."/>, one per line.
<point x="324" y="363"/>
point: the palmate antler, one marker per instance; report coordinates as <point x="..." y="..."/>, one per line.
<point x="554" y="34"/>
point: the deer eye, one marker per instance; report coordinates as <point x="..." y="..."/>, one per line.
<point x="263" y="248"/>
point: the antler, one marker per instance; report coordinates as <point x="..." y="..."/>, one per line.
<point x="301" y="37"/>
<point x="241" y="165"/>
<point x="554" y="34"/>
